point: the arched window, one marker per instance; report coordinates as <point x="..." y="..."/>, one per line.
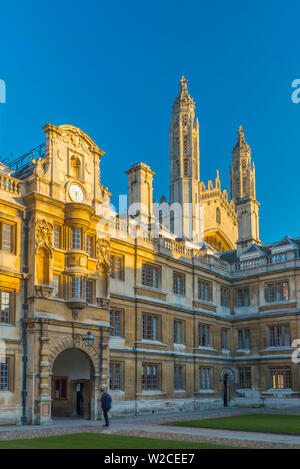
<point x="218" y="216"/>
<point x="75" y="167"/>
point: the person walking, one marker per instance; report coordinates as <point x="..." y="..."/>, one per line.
<point x="106" y="406"/>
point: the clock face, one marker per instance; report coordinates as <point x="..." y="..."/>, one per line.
<point x="76" y="193"/>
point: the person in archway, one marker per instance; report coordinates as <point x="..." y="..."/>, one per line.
<point x="106" y="406"/>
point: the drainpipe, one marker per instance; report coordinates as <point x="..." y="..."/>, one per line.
<point x="135" y="326"/>
<point x="24" y="325"/>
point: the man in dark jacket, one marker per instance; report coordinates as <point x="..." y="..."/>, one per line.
<point x="106" y="405"/>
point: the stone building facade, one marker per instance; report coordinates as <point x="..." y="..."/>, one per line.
<point x="165" y="309"/>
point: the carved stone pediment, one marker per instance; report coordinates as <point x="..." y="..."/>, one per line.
<point x="43" y="234"/>
<point x="103" y="253"/>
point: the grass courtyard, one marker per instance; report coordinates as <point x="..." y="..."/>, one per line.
<point x="278" y="423"/>
<point x="100" y="441"/>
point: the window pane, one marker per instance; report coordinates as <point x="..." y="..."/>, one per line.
<point x="76" y="238"/>
<point x="6" y="238"/>
<point x="4" y="379"/>
<point x="5" y="309"/>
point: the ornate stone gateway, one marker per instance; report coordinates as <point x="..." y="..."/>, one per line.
<point x="68" y="371"/>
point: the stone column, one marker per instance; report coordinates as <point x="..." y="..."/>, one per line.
<point x="44" y="399"/>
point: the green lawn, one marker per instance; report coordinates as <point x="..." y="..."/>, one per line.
<point x="99" y="441"/>
<point x="279" y="423"/>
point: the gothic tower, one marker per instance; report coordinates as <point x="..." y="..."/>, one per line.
<point x="184" y="167"/>
<point x="243" y="193"/>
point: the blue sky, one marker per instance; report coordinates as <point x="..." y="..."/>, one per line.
<point x="112" y="69"/>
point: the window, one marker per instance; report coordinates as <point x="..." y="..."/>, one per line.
<point x="115" y="376"/>
<point x="244" y="339"/>
<point x="278" y="291"/>
<point x="89" y="292"/>
<point x="280" y="378"/>
<point x="4" y="375"/>
<point x="89" y="246"/>
<point x="204" y="290"/>
<point x="75" y="167"/>
<point x="150" y="377"/>
<point x="117" y="267"/>
<point x="7" y="244"/>
<point x="56" y="236"/>
<point x="218" y="216"/>
<point x="178" y="284"/>
<point x="243" y="297"/>
<point x="78" y="288"/>
<point x="178" y="332"/>
<point x="179" y="377"/>
<point x="150" y="275"/>
<point x="76" y="238"/>
<point x="172" y="221"/>
<point x="150" y="325"/>
<point x="116" y="321"/>
<point x="245" y="378"/>
<point x="204" y="335"/>
<point x="204" y="378"/>
<point x="224" y="296"/>
<point x="224" y="339"/>
<point x="6" y="309"/>
<point x="56" y="286"/>
<point x="60" y="388"/>
<point x="279" y="336"/>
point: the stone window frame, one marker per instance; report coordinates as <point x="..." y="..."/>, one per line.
<point x="121" y="258"/>
<point x="275" y="372"/>
<point x="145" y="331"/>
<point x="57" y="238"/>
<point x="177" y="321"/>
<point x="148" y="269"/>
<point x="276" y="336"/>
<point x="91" y="282"/>
<point x="208" y="374"/>
<point x="112" y="321"/>
<point x="144" y="381"/>
<point x="12" y="306"/>
<point x="53" y="387"/>
<point x="242" y="296"/>
<point x="245" y="377"/>
<point x="224" y="334"/>
<point x="10" y="363"/>
<point x="224" y="288"/>
<point x="182" y="367"/>
<point x="208" y="286"/>
<point x="13" y="241"/>
<point x="112" y="376"/>
<point x="182" y="290"/>
<point x="208" y="337"/>
<point x="241" y="332"/>
<point x="274" y="284"/>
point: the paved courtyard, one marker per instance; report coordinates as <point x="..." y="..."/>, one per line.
<point x="153" y="426"/>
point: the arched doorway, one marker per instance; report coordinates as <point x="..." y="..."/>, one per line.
<point x="72" y="384"/>
<point x="227" y="379"/>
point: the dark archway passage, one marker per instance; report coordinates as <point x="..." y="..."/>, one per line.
<point x="72" y="384"/>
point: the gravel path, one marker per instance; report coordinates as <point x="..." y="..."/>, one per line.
<point x="152" y="426"/>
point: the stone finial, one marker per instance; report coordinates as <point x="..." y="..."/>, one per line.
<point x="241" y="144"/>
<point x="183" y="84"/>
